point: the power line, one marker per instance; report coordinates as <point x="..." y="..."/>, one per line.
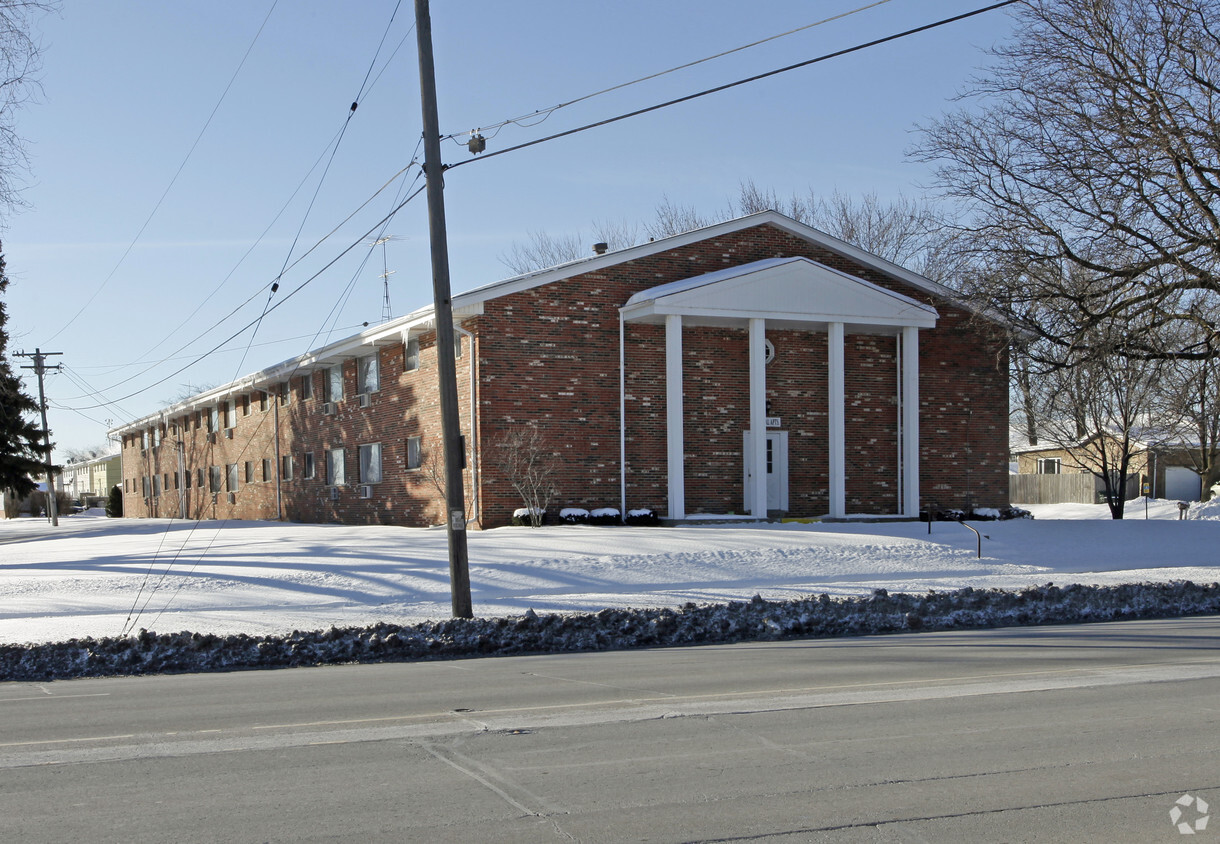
<point x="113" y="366"/>
<point x="97" y="291"/>
<point x="547" y="112"/>
<point x="727" y="86"/>
<point x="282" y="301"/>
<point x="301" y="258"/>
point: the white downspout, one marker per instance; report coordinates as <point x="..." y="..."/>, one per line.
<point x="473" y="447"/>
<point x="622" y="415"/>
<point x="279" y="501"/>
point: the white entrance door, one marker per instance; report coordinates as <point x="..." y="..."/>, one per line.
<point x="777" y="470"/>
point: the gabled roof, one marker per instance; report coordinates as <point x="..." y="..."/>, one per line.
<point x="644" y="250"/>
<point x="787" y="292"/>
<point x="471" y="302"/>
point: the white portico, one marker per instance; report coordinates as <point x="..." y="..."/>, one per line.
<point x="788" y="294"/>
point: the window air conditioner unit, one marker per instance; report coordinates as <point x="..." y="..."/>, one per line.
<point x="228" y="433"/>
<point x="366" y="491"/>
<point x="334" y="493"/>
<point x="328" y="408"/>
<point x="364" y="399"/>
<point x="232" y="497"/>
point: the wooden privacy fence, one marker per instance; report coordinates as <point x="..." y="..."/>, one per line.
<point x="1062" y="489"/>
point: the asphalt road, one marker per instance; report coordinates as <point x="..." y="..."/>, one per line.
<point x="1087" y="733"/>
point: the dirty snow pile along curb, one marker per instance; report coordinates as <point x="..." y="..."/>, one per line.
<point x="753" y="620"/>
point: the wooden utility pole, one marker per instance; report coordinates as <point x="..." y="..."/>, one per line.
<point x="40" y="369"/>
<point x="451" y="430"/>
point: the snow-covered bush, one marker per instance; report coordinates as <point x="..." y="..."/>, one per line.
<point x="605" y="516"/>
<point x="529" y="517"/>
<point x="574" y="515"/>
<point x="643" y="517"/>
<point x="1011" y="512"/>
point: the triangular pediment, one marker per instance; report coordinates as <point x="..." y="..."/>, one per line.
<point x="787" y="292"/>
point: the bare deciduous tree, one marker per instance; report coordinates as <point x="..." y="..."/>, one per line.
<point x="1099" y="407"/>
<point x="20" y="61"/>
<point x="529" y="462"/>
<point x="1093" y="143"/>
<point x="544" y="250"/>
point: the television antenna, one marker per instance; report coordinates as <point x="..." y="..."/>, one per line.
<point x="387" y="312"/>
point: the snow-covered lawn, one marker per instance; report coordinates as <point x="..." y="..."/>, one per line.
<point x="94" y="576"/>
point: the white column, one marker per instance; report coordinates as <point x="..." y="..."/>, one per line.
<point x="836" y="411"/>
<point x="757" y="494"/>
<point x="910" y="421"/>
<point x="675" y="446"/>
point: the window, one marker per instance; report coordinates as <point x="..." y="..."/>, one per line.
<point x="286" y="467"/>
<point x="165" y="483"/>
<point x="144" y="441"/>
<point x="152" y="436"/>
<point x="411" y="356"/>
<point x="285" y="392"/>
<point x="1050" y="466"/>
<point x="214" y="479"/>
<point x="307" y="465"/>
<point x="186" y="477"/>
<point x="457" y="345"/>
<point x="249" y="471"/>
<point x="230" y="414"/>
<point x="231" y="477"/>
<point x="199" y="478"/>
<point x="144" y="485"/>
<point x="262" y="401"/>
<point x="266" y="469"/>
<point x="306" y="387"/>
<point x="177" y="482"/>
<point x="156" y="486"/>
<point x="245" y="405"/>
<point x="370" y="463"/>
<point x="414" y="457"/>
<point x="368" y="374"/>
<point x="334" y="467"/>
<point x="213" y="419"/>
<point x="333" y="385"/>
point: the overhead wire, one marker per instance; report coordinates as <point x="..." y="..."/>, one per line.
<point x="251" y="298"/>
<point x="279" y="303"/>
<point x="134" y="614"/>
<point x="366" y="87"/>
<point x="706" y="92"/>
<point x="106" y="368"/>
<point x="99" y="288"/>
<point x="547" y="112"/>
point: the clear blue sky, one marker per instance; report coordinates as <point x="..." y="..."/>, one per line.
<point x="128" y="87"/>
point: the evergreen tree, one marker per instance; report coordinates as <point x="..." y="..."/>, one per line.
<point x="22" y="452"/>
<point x="114" y="504"/>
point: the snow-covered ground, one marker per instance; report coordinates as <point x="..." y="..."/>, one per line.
<point x="100" y="577"/>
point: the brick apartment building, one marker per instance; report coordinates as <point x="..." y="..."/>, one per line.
<point x="646" y="370"/>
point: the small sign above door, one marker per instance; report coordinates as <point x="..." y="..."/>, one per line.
<point x="775" y="422"/>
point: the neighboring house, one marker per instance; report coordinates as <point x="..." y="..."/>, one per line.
<point x="93" y="477"/>
<point x="661" y="375"/>
<point x="105" y="473"/>
<point x="1163" y="470"/>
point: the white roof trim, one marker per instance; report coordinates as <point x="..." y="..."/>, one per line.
<point x="471" y="302"/>
<point x="789" y="291"/>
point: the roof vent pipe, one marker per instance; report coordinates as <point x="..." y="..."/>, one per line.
<point x="601" y="247"/>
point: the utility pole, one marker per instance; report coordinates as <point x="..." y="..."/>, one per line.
<point x="451" y="431"/>
<point x="40" y="369"/>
